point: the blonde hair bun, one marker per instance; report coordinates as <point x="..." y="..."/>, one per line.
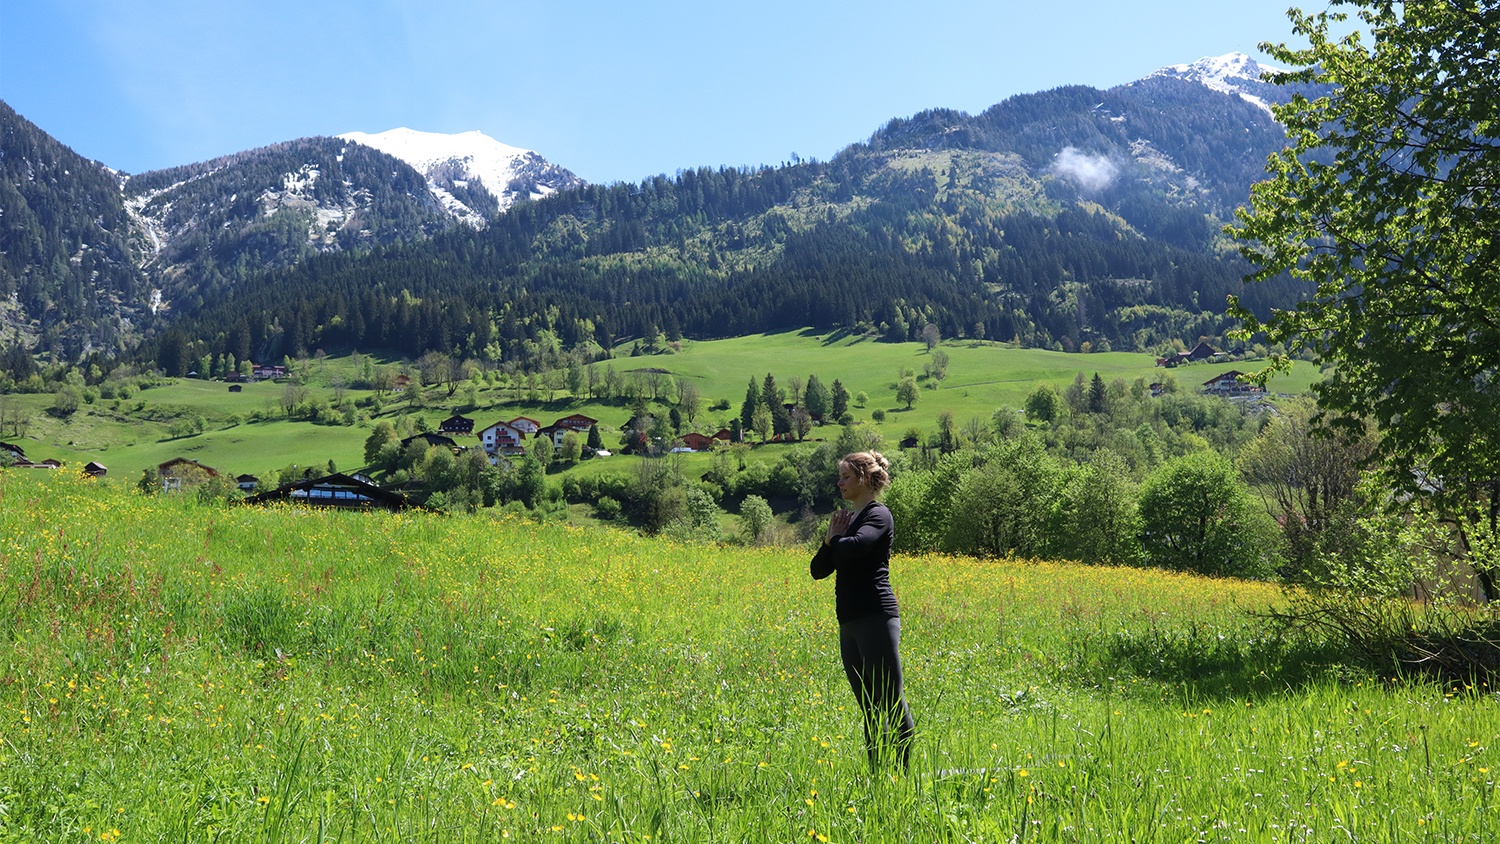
<point x="870" y="467"/>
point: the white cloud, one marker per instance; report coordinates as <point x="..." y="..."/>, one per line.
<point x="1090" y="172"/>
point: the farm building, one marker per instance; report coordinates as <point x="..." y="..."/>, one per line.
<point x="336" y="490"/>
<point x="457" y="425"/>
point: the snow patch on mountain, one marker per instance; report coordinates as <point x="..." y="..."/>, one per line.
<point x="1232" y="73"/>
<point x="458" y="167"/>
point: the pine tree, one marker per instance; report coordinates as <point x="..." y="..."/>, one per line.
<point x="747" y="409"/>
<point x="840" y="404"/>
<point x="818" y="400"/>
<point x="1098" y="397"/>
<point x="770" y="396"/>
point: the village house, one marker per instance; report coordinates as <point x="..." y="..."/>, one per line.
<point x="577" y="422"/>
<point x="401" y="383"/>
<point x="724" y="435"/>
<point x="554" y="433"/>
<point x="182" y="473"/>
<point x="336" y="490"/>
<point x="1202" y="351"/>
<point x="246" y="483"/>
<point x="1231" y="383"/>
<point x="500" y="436"/>
<point x="525" y="425"/>
<point x="457" y="425"/>
<point x="49" y="463"/>
<point x="264" y="371"/>
<point x="431" y="439"/>
<point x="697" y="441"/>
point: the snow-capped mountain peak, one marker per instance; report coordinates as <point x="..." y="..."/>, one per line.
<point x="456" y="166"/>
<point x="1232" y="73"/>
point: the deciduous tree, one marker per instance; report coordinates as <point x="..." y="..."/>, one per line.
<point x="1198" y="516"/>
<point x="1388" y="204"/>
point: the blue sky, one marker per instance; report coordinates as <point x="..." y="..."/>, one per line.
<point x="611" y="90"/>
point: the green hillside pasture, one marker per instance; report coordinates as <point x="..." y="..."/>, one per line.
<point x="982" y="377"/>
<point x="177" y="672"/>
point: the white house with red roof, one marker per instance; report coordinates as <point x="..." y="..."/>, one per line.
<point x="500" y="436"/>
<point x="525" y="425"/>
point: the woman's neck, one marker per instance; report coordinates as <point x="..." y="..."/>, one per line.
<point x="861" y="502"/>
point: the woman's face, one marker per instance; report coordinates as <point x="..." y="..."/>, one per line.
<point x="851" y="486"/>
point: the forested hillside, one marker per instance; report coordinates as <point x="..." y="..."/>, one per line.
<point x="1072" y="219"/>
<point x="217" y="223"/>
<point x="68" y="280"/>
<point x="931" y="222"/>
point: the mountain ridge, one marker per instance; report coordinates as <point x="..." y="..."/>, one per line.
<point x="1167" y="157"/>
<point x="459" y="166"/>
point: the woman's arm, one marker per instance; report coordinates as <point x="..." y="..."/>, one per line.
<point x="869" y="527"/>
<point x="823" y="562"/>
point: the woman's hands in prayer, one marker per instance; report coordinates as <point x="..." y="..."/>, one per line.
<point x="838" y="524"/>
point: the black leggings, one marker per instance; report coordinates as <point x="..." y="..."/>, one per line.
<point x="870" y="648"/>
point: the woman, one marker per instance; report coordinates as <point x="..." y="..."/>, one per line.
<point x="858" y="547"/>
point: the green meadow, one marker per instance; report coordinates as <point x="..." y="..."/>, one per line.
<point x="175" y="671"/>
<point x="982" y="377"/>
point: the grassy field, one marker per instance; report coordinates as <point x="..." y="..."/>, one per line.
<point x="174" y="672"/>
<point x="981" y="378"/>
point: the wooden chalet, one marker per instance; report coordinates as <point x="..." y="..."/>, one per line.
<point x="457" y="425"/>
<point x="724" y="435"/>
<point x="577" y="422"/>
<point x="246" y="483"/>
<point x="16" y="452"/>
<point x="1231" y="383"/>
<point x="266" y="371"/>
<point x="401" y="383"/>
<point x="236" y="388"/>
<point x="697" y="441"/>
<point x="336" y="490"/>
<point x="500" y="436"/>
<point x="431" y="439"/>
<point x="181" y="472"/>
<point x="95" y="469"/>
<point x="1202" y="351"/>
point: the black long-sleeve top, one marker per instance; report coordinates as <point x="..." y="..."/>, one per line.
<point x="862" y="557"/>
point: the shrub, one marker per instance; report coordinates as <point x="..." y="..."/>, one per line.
<point x="1197" y="515"/>
<point x="755" y="516"/>
<point x="607" y="508"/>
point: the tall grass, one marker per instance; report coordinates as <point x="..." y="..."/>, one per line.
<point x="173" y="672"/>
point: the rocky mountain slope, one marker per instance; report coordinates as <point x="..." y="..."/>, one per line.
<point x="473" y="175"/>
<point x="91" y="259"/>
